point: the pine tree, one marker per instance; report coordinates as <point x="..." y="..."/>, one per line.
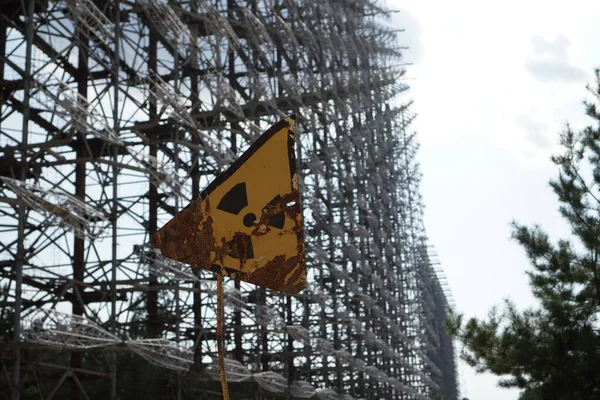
<point x="552" y="351"/>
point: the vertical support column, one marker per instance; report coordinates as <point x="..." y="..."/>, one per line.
<point x="338" y="381"/>
<point x="263" y="335"/>
<point x="330" y="240"/>
<point x="115" y="198"/>
<point x="22" y="207"/>
<point x="195" y="175"/>
<point x="3" y="31"/>
<point x="235" y="127"/>
<point x="80" y="174"/>
<point x="350" y="198"/>
<point x="289" y="350"/>
<point x="289" y="300"/>
<point x="152" y="299"/>
<point x="338" y="289"/>
<point x="178" y="200"/>
<point x="363" y="246"/>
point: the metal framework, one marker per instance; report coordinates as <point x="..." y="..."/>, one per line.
<point x="116" y="113"/>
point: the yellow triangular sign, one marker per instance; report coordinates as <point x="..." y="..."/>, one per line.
<point x="247" y="224"/>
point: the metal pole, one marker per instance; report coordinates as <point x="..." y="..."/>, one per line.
<point x="22" y="207"/>
<point x="80" y="185"/>
<point x="152" y="295"/>
<point x="178" y="200"/>
<point x="115" y="171"/>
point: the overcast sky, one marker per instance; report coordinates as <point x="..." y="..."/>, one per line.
<point x="493" y="83"/>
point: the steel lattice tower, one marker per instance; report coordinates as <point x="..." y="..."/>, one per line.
<point x="116" y="113"/>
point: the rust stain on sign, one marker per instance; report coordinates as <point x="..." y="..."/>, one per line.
<point x="247" y="224"/>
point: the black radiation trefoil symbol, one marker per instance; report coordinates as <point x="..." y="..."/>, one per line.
<point x="234" y="201"/>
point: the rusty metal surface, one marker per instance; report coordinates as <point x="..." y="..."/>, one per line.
<point x="266" y="254"/>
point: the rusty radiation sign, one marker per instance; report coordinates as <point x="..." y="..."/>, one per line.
<point x="247" y="224"/>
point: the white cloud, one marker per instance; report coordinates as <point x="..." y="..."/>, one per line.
<point x="556" y="49"/>
<point x="536" y="132"/>
<point x="556" y="71"/>
<point x="552" y="63"/>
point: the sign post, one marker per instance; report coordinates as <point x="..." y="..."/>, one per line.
<point x="247" y="224"/>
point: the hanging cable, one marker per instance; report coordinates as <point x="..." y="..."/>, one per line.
<point x="220" y="336"/>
